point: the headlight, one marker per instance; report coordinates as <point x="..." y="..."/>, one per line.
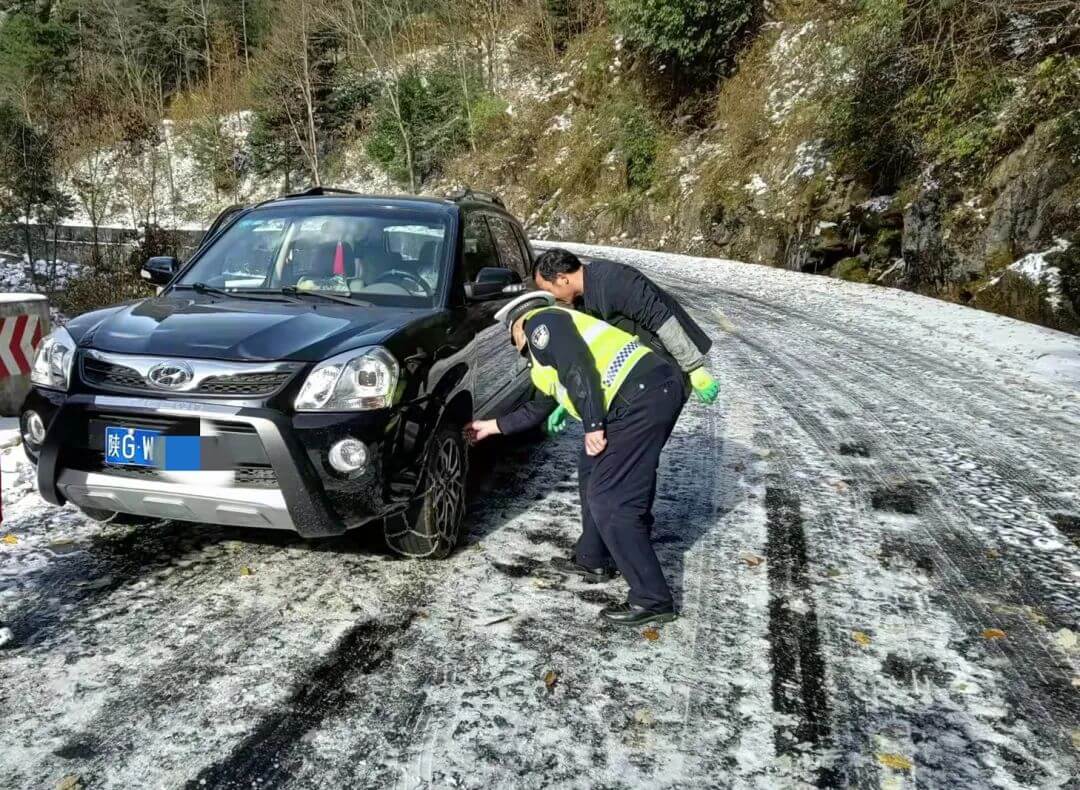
<point x="52" y="362"/>
<point x="353" y="381"/>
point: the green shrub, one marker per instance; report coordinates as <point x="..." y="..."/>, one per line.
<point x="692" y="34"/>
<point x="920" y="83"/>
<point x="861" y="120"/>
<point x="851" y="269"/>
<point x="489" y="117"/>
<point x="637" y="140"/>
<point x="428" y="109"/>
<point x="102" y="288"/>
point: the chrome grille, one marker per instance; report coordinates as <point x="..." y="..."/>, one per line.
<point x="127" y="373"/>
<point x="244" y="384"/>
<point x="108" y="375"/>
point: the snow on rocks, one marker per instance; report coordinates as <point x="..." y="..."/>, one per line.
<point x="793" y="81"/>
<point x="1038" y="270"/>
<point x="809" y="160"/>
<point x="756" y="185"/>
<point x="15" y="274"/>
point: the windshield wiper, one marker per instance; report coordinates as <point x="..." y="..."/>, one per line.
<point x="292" y="290"/>
<point x="203" y="288"/>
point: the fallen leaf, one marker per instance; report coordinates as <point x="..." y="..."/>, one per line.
<point x="651" y="634"/>
<point x="861" y="638"/>
<point x="1066" y="639"/>
<point x="9" y="539"/>
<point x="246" y="571"/>
<point x="70" y="782"/>
<point x="832" y="573"/>
<point x="752" y="560"/>
<point x="643" y="717"/>
<point x="1076" y="739"/>
<point x="839" y="485"/>
<point x="897" y="762"/>
<point x="993" y="633"/>
<point x="1076" y="682"/>
<point x="551" y="677"/>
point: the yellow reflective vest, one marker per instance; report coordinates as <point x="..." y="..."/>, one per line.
<point x="614" y="351"/>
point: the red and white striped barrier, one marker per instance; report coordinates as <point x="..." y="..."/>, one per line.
<point x="19" y="337"/>
<point x="24" y="320"/>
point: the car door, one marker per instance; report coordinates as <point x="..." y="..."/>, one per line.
<point x="515" y="257"/>
<point x="493" y="359"/>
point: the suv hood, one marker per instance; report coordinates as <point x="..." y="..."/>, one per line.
<point x="210" y="327"/>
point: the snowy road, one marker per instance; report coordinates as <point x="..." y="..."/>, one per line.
<point x="874" y="539"/>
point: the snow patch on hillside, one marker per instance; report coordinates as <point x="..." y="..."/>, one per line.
<point x="1038" y="270"/>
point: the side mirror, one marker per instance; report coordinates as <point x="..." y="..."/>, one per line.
<point x="160" y="269"/>
<point x="493" y="283"/>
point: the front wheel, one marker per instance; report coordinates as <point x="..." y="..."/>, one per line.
<point x="434" y="525"/>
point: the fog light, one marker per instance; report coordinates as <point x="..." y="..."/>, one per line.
<point x="35" y="428"/>
<point x="348" y="455"/>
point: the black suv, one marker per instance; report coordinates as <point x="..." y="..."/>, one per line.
<point x="309" y="368"/>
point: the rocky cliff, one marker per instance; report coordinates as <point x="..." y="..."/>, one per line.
<point x="835" y="146"/>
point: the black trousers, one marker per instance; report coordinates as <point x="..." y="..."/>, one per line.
<point x="618" y="486"/>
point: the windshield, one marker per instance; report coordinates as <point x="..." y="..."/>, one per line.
<point x="382" y="256"/>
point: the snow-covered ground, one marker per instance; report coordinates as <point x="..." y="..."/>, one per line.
<point x="872" y="538"/>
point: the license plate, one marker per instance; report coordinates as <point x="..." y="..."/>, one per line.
<point x="132" y="446"/>
<point x="143" y="447"/>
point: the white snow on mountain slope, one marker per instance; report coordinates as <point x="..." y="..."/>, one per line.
<point x="871" y="538"/>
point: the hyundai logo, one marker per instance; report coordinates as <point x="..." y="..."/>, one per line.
<point x="170" y="375"/>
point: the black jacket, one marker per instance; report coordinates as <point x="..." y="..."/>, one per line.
<point x="626" y="298"/>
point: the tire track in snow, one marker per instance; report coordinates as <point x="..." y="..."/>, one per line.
<point x="266" y="756"/>
<point x="798" y="666"/>
<point x="796" y="370"/>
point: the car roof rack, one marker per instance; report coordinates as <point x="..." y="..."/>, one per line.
<point x="468" y="193"/>
<point x="321" y="190"/>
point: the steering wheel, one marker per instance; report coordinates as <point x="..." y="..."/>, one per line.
<point x="400" y="274"/>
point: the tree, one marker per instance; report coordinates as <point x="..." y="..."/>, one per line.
<point x="696" y="36"/>
<point x="422" y="108"/>
<point x="296" y="78"/>
<point x="383" y="37"/>
<point x="85" y="155"/>
<point x="29" y="194"/>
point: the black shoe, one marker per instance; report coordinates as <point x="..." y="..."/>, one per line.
<point x="629" y="614"/>
<point x="594" y="575"/>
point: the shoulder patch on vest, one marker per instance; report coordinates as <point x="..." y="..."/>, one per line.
<point x="540" y="337"/>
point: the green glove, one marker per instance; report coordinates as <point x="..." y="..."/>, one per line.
<point x="704" y="385"/>
<point x="556" y="422"/>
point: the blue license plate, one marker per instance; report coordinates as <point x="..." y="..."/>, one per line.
<point x="143" y="447"/>
<point x="132" y="446"/>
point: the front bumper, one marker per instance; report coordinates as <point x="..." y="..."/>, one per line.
<point x="236" y="507"/>
<point x="303" y="495"/>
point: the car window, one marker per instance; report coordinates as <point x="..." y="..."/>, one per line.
<point x="378" y="256"/>
<point x="507" y="243"/>
<point x="478" y="249"/>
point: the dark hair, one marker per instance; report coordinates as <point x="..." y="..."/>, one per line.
<point x="555" y="262"/>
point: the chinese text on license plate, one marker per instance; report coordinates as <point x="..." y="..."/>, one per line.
<point x="133" y="446"/>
